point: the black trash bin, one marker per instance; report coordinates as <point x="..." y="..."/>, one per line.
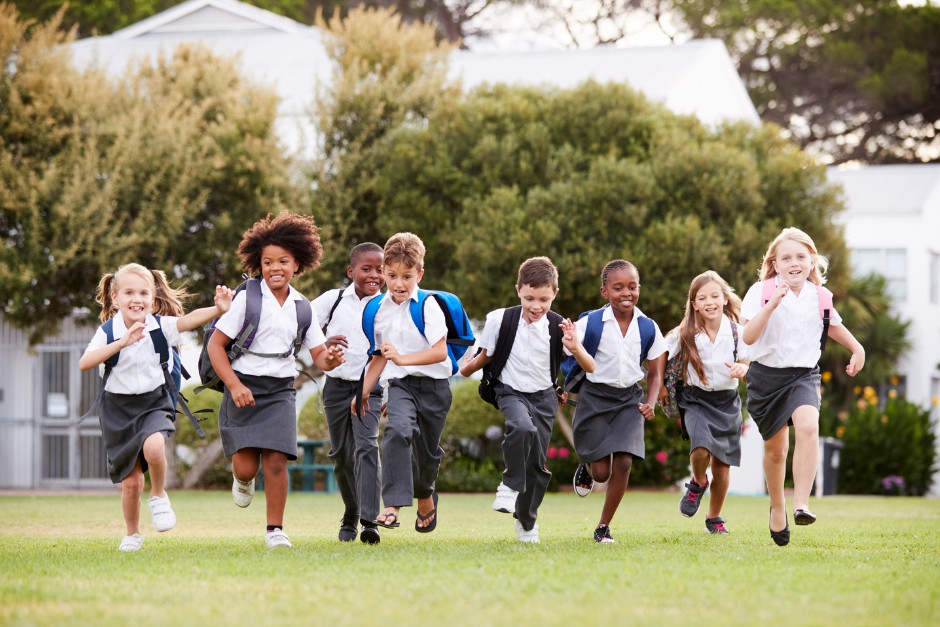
<point x="827" y="474"/>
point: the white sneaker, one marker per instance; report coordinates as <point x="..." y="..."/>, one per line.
<point x="163" y="517"/>
<point x="531" y="536"/>
<point x="242" y="491"/>
<point x="131" y="543"/>
<point x="505" y="499"/>
<point x="276" y="538"/>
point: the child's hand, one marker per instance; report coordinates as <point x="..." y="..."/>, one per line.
<point x="569" y="334"/>
<point x="663" y="395"/>
<point x="334" y="356"/>
<point x="390" y="353"/>
<point x="647" y="410"/>
<point x="365" y="406"/>
<point x="133" y="335"/>
<point x="856" y="363"/>
<point x="242" y="396"/>
<point x="736" y="370"/>
<point x="223" y="298"/>
<point x="562" y="396"/>
<point x="782" y="290"/>
<point x="337" y="340"/>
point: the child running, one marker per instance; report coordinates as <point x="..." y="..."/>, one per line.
<point x="355" y="442"/>
<point x="525" y="388"/>
<point x="609" y="419"/>
<point x="137" y="407"/>
<point x="257" y="417"/>
<point x="785" y="316"/>
<point x="706" y="343"/>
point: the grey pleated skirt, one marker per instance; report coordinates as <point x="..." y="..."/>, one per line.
<point x="713" y="420"/>
<point x="773" y="394"/>
<point x="129" y="419"/>
<point x="271" y="424"/>
<point x="607" y="420"/>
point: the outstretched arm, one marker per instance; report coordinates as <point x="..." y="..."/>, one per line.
<point x="327" y="358"/>
<point x="570" y="340"/>
<point x="433" y="355"/>
<point x="472" y="364"/>
<point x="96" y="357"/>
<point x="756" y="325"/>
<point x="198" y="317"/>
<point x="843" y="336"/>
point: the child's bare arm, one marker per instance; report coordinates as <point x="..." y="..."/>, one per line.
<point x="198" y="317"/>
<point x="843" y="336"/>
<point x="754" y="327"/>
<point x="96" y="357"/>
<point x="327" y="358"/>
<point x="432" y="355"/>
<point x="574" y="346"/>
<point x="472" y="364"/>
<point x="241" y="395"/>
<point x="373" y="372"/>
<point x="654" y="381"/>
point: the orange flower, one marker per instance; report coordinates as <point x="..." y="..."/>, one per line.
<point x="826" y="376"/>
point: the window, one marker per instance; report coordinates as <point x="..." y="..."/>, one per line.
<point x="891" y="263"/>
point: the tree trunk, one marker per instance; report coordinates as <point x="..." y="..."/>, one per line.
<point x="210" y="454"/>
<point x="564" y="426"/>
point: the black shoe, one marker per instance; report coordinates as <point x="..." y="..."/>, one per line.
<point x="803" y="517"/>
<point x="602" y="534"/>
<point x="348" y="529"/>
<point x="583" y="483"/>
<point x="692" y="498"/>
<point x="370" y="534"/>
<point x="782" y="537"/>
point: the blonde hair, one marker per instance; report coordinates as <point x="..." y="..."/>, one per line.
<point x="692" y="322"/>
<point x="820" y="264"/>
<point x="405" y="248"/>
<point x="167" y="301"/>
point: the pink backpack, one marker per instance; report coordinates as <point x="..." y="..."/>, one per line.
<point x="825" y="304"/>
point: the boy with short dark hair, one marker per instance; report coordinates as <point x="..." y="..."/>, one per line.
<point x="525" y="389"/>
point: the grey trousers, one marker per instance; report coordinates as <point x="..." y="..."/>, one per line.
<point x="529" y="422"/>
<point x="354" y="447"/>
<point x="411" y="451"/>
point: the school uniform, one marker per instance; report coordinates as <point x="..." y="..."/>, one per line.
<point x="525" y="394"/>
<point x="607" y="419"/>
<point x="354" y="443"/>
<point x="784" y="371"/>
<point x="272" y="422"/>
<point x="712" y="409"/>
<point x="136" y="402"/>
<point x="419" y="398"/>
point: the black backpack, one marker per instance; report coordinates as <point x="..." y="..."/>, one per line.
<point x="239" y="345"/>
<point x="504" y="341"/>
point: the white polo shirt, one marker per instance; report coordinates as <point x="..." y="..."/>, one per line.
<point x="393" y="324"/>
<point x="617" y="362"/>
<point x="527" y="368"/>
<point x="713" y="356"/>
<point x="347" y="321"/>
<point x="276" y="332"/>
<point x="138" y="368"/>
<point x="791" y="337"/>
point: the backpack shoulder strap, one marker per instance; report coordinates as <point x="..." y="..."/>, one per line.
<point x="647" y="336"/>
<point x="304" y="320"/>
<point x="108" y="328"/>
<point x="253" y="300"/>
<point x="593" y="331"/>
<point x="505" y="338"/>
<point x="555" y="347"/>
<point x="160" y="345"/>
<point x="368" y="320"/>
<point x="825" y="312"/>
<point x="329" y="317"/>
<point x="734" y="335"/>
<point x="767" y="288"/>
<point x="416" y="307"/>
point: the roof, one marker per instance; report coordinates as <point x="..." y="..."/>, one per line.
<point x="889" y="189"/>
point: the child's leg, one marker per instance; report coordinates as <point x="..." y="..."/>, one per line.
<point x="155" y="453"/>
<point x="433" y="404"/>
<point x="368" y="466"/>
<point x="397" y="471"/>
<point x="700" y="459"/>
<point x="339" y="421"/>
<point x="619" y="476"/>
<point x="275" y="485"/>
<point x="805" y="453"/>
<point x="775" y="470"/>
<point x="131" y="488"/>
<point x="520" y="435"/>
<point x="543" y="408"/>
<point x="245" y="464"/>
<point x="721" y="475"/>
<point x="600" y="469"/>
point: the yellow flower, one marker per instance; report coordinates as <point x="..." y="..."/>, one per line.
<point x="843" y="415"/>
<point x="861" y="404"/>
<point x="857" y="389"/>
<point x="884" y="419"/>
<point x="870" y="392"/>
<point x="892" y="394"/>
<point x="894" y="380"/>
<point x="935" y="401"/>
<point x="826" y="376"/>
<point x="840" y="431"/>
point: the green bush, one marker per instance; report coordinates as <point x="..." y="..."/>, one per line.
<point x="888" y="449"/>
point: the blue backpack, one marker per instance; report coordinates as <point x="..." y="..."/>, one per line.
<point x="573" y="374"/>
<point x="459" y="334"/>
<point x="173" y="375"/>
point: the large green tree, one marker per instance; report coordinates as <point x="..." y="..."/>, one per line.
<point x="166" y="166"/>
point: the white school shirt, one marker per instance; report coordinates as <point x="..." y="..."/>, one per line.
<point x="393" y="324"/>
<point x="791" y="337"/>
<point x="138" y="369"/>
<point x="713" y="356"/>
<point x="527" y="367"/>
<point x="275" y="334"/>
<point x="617" y="362"/>
<point x="346" y="320"/>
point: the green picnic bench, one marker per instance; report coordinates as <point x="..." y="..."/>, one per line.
<point x="307" y="473"/>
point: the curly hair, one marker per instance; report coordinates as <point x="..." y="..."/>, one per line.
<point x="295" y="233"/>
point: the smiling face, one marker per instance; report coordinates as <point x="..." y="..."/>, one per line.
<point x="132" y="295"/>
<point x="401" y="280"/>
<point x="366" y="273"/>
<point x="278" y="267"/>
<point x="622" y="290"/>
<point x="536" y="301"/>
<point x="793" y="261"/>
<point x="710" y="301"/>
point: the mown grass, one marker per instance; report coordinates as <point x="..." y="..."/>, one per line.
<point x="868" y="561"/>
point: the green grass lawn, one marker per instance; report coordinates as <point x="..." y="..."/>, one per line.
<point x="868" y="561"/>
